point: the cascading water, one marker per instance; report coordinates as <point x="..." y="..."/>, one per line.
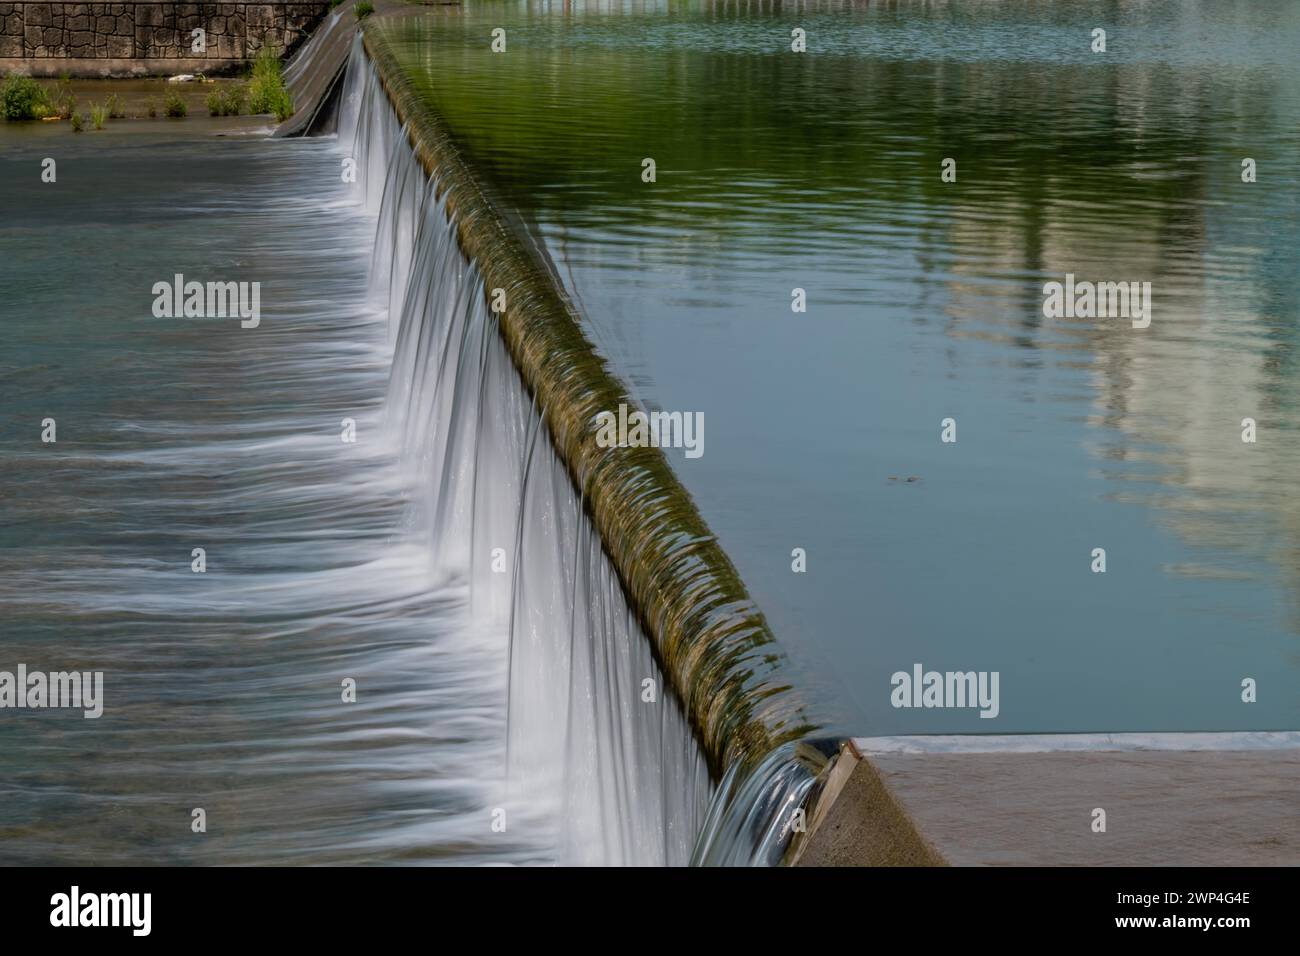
<point x="620" y="777"/>
<point x="600" y="752"/>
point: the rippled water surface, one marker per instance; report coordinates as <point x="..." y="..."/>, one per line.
<point x="821" y="171"/>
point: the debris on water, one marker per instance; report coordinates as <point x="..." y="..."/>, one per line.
<point x="908" y="480"/>
<point x="181" y="78"/>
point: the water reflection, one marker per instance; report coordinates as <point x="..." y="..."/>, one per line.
<point x="821" y="170"/>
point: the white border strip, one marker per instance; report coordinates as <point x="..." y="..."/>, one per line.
<point x="1065" y="743"/>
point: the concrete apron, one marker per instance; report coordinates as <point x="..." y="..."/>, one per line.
<point x="1230" y="799"/>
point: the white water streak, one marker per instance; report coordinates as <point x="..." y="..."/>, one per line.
<point x="621" y="780"/>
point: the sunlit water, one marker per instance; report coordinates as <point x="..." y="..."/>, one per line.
<point x="821" y="171"/>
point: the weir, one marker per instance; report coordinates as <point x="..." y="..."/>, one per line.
<point x="543" y="653"/>
<point x="640" y="672"/>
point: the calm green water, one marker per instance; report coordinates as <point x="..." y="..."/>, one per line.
<point x="821" y="170"/>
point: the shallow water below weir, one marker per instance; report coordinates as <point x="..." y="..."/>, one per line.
<point x="492" y="723"/>
<point x="222" y="689"/>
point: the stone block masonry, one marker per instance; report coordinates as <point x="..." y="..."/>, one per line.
<point x="151" y="31"/>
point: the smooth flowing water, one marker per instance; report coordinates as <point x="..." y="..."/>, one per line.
<point x="223" y="688"/>
<point x="349" y="468"/>
<point x="822" y="171"/>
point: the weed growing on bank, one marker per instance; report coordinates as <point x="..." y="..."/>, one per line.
<point x="227" y="102"/>
<point x="22" y="98"/>
<point x="174" y="105"/>
<point x="62" y="101"/>
<point x="266" y="89"/>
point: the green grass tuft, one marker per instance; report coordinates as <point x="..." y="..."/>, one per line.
<point x="232" y="100"/>
<point x="21" y="98"/>
<point x="62" y="101"/>
<point x="266" y="89"/>
<point x="227" y="102"/>
<point x="174" y="105"/>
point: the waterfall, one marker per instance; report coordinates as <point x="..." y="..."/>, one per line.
<point x="601" y="750"/>
<point x="752" y="817"/>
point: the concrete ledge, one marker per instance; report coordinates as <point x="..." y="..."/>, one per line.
<point x="1169" y="799"/>
<point x="1087" y="743"/>
<point x="106" y="68"/>
<point x="857" y="821"/>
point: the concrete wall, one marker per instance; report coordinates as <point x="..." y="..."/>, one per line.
<point x="43" y="34"/>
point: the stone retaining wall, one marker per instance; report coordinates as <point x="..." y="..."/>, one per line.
<point x="152" y="31"/>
